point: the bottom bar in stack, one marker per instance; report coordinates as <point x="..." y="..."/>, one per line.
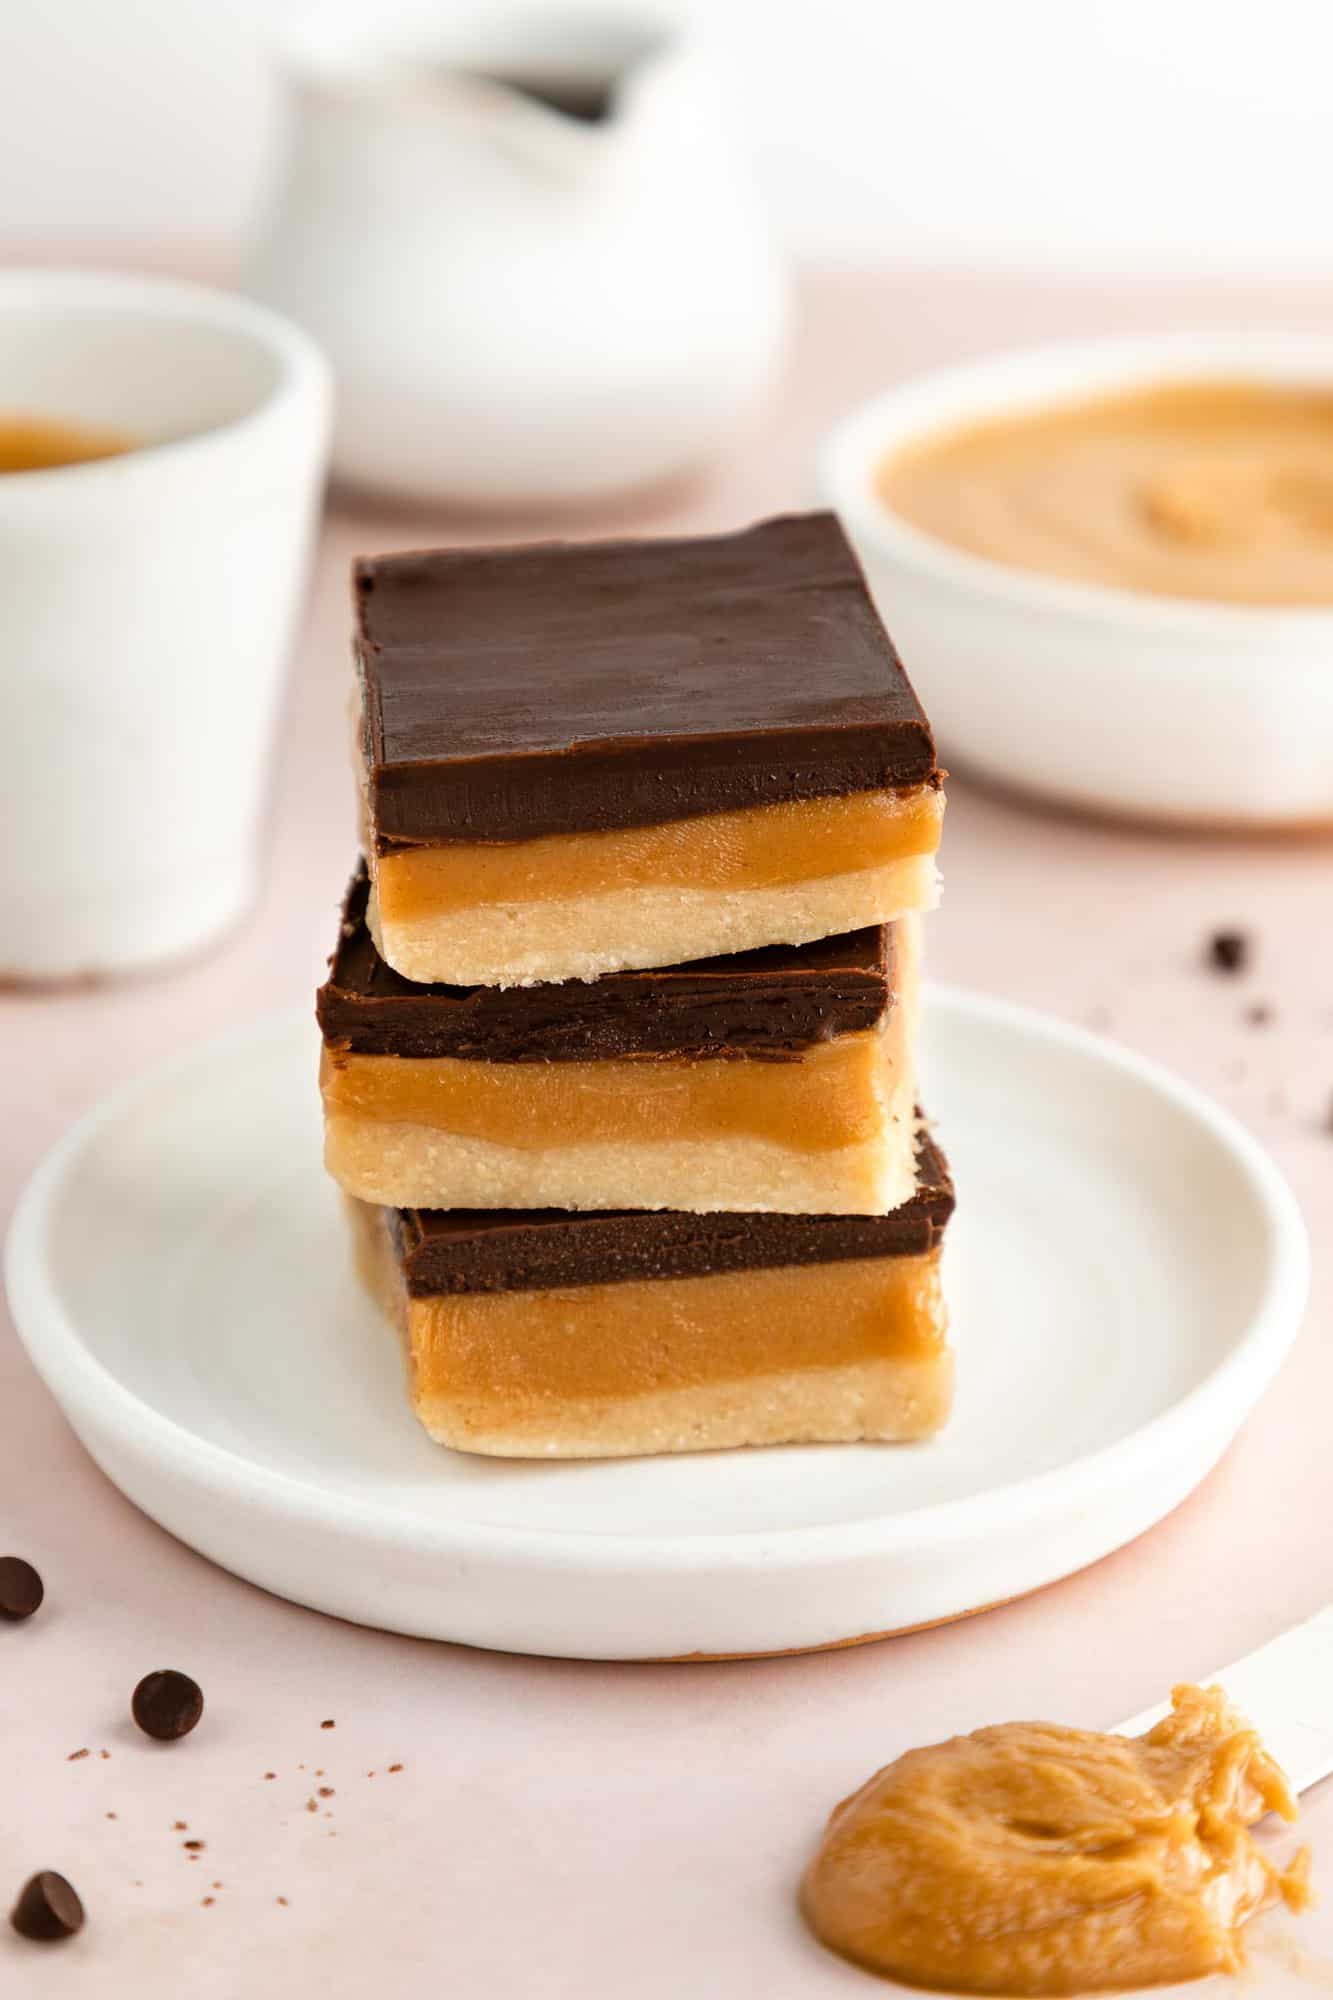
<point x="555" y="1334"/>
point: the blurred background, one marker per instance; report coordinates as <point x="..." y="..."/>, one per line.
<point x="1163" y="135"/>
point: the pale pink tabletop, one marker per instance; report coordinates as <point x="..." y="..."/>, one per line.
<point x="592" y="1831"/>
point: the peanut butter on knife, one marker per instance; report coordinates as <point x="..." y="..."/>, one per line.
<point x="1032" y="1859"/>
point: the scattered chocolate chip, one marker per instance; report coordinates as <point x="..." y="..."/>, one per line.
<point x="47" y="1908"/>
<point x="312" y="1805"/>
<point x="105" y="1755"/>
<point x="75" y="1755"/>
<point x="180" y="1826"/>
<point x="281" y="1900"/>
<point x="330" y="1724"/>
<point x="1259" y="1015"/>
<point x="193" y="1846"/>
<point x="395" y="1767"/>
<point x="215" y="1885"/>
<point x="111" y="1815"/>
<point x="1229" y="951"/>
<point x="167" y="1705"/>
<point x="270" y="1774"/>
<point x="326" y="1791"/>
<point x="21" y="1589"/>
<point x="207" y="1902"/>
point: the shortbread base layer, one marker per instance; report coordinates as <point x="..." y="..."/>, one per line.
<point x="410" y="1166"/>
<point x="820" y="1353"/>
<point x="582" y="937"/>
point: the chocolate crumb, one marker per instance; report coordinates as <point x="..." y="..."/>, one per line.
<point x="395" y="1767"/>
<point x="167" y="1704"/>
<point x="21" y="1588"/>
<point x="75" y="1755"/>
<point x="326" y="1791"/>
<point x="281" y="1900"/>
<point x="111" y="1815"/>
<point x="1259" y="1015"/>
<point x="48" y="1909"/>
<point x="329" y="1724"/>
<point x="217" y="1885"/>
<point x="1229" y="951"/>
<point x="180" y="1826"/>
<point x="194" y="1846"/>
<point x="207" y="1902"/>
<point x="312" y="1805"/>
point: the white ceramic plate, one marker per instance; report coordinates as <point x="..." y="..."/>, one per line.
<point x="1126" y="1272"/>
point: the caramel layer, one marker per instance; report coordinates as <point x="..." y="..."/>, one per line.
<point x="826" y="1099"/>
<point x="855" y="1349"/>
<point x="764" y="847"/>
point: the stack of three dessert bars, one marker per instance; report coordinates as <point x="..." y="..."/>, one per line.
<point x="619" y="1037"/>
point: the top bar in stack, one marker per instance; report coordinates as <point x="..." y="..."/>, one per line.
<point x="587" y="758"/>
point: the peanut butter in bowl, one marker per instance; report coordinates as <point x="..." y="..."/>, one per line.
<point x="1212" y="490"/>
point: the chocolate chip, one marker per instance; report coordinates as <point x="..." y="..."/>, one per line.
<point x="21" y="1589"/>
<point x="327" y="1725"/>
<point x="1229" y="951"/>
<point x="167" y="1704"/>
<point x="47" y="1908"/>
<point x="1259" y="1015"/>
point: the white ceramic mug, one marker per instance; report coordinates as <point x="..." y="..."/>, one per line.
<point x="148" y="602"/>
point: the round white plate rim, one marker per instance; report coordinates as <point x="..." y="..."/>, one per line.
<point x="80" y="1381"/>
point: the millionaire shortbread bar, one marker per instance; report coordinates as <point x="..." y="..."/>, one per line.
<point x="580" y="758"/>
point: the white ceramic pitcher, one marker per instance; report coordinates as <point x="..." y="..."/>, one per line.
<point x="527" y="244"/>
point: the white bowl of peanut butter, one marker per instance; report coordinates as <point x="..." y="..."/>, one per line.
<point x="1109" y="568"/>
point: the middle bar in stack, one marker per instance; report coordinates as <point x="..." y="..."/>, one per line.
<point x="781" y="1079"/>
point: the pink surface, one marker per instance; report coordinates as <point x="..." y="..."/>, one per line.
<point x="559" y="1829"/>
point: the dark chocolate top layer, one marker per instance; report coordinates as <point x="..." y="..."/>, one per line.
<point x="771" y="1003"/>
<point x="562" y="687"/>
<point x="532" y="1250"/>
